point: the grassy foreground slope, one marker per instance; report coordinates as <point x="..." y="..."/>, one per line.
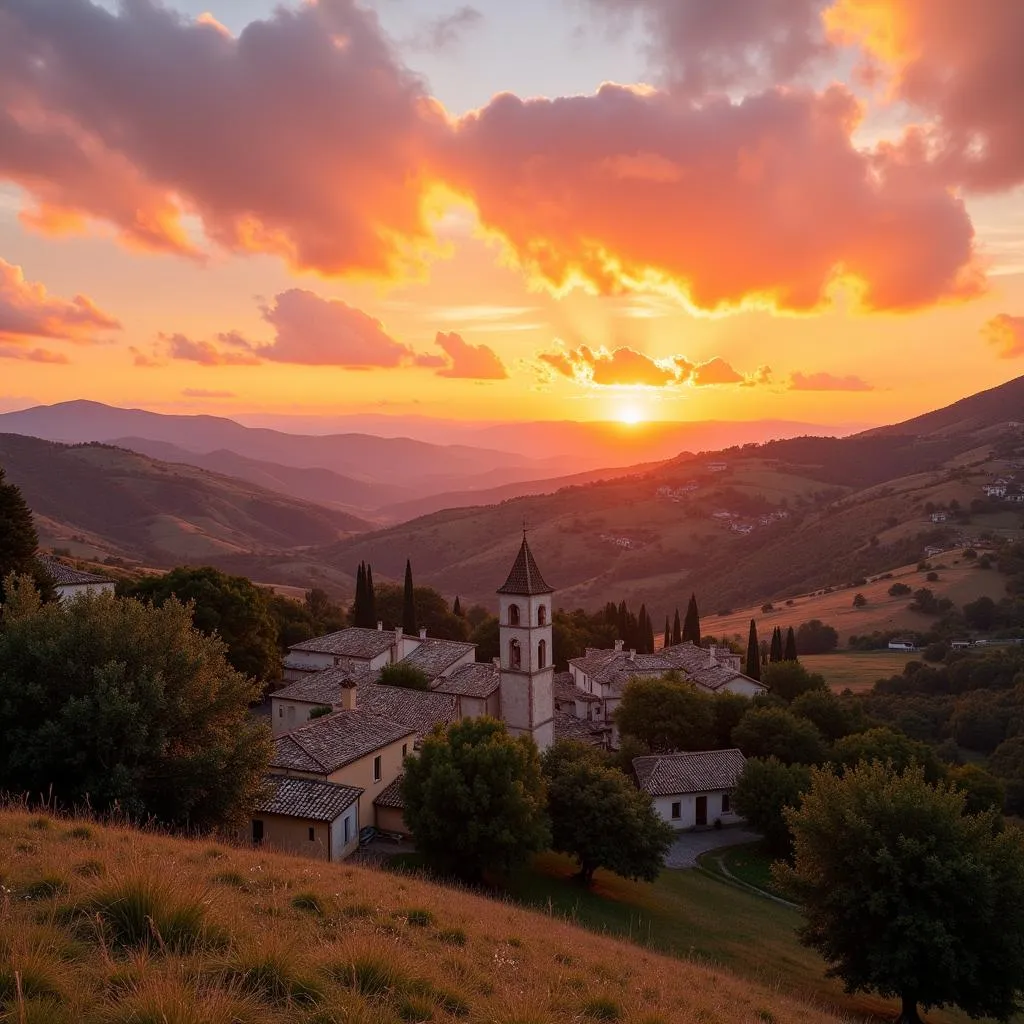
<point x="113" y="926"/>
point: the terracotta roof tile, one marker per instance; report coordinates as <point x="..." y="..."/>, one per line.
<point x="391" y="796"/>
<point x="435" y="656"/>
<point x="350" y="643"/>
<point x="479" y="679"/>
<point x="525" y="578"/>
<point x="333" y="741"/>
<point x="65" y="576"/>
<point x="698" y="771"/>
<point x="307" y="798"/>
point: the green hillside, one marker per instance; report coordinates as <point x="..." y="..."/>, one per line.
<point x="98" y="500"/>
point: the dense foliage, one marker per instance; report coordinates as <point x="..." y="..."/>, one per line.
<point x="475" y="800"/>
<point x="777" y="732"/>
<point x="120" y="704"/>
<point x="404" y="675"/>
<point x="18" y="539"/>
<point x="908" y="896"/>
<point x="666" y="714"/>
<point x="232" y="607"/>
<point x="599" y="817"/>
<point x="765" y="789"/>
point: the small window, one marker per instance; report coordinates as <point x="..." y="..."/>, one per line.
<point x="376" y="768"/>
<point x="542" y="616"/>
<point x="515" y="657"/>
<point x="312" y="834"/>
<point x="345" y="828"/>
<point x="405" y="749"/>
<point x="725" y="803"/>
<point x="257" y="831"/>
<point x="280" y="711"/>
<point x="513" y="615"/>
<point x="677" y="810"/>
<point x="542" y="654"/>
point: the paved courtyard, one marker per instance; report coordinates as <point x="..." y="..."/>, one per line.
<point x="688" y="846"/>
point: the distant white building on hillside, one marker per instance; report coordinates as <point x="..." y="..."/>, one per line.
<point x="71" y="583"/>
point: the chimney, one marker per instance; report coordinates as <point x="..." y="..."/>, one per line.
<point x="618" y="646"/>
<point x="380" y="627"/>
<point x="423" y="632"/>
<point x="632" y="654"/>
<point x="399" y="644"/>
<point x="712" y="655"/>
<point x="348" y="694"/>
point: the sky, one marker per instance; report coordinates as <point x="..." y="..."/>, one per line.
<point x="633" y="210"/>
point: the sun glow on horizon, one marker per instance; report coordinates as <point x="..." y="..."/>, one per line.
<point x="630" y="415"/>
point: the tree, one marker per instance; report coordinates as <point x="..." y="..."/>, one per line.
<point x="775" y="651"/>
<point x="982" y="790"/>
<point x="728" y="709"/>
<point x="887" y="747"/>
<point x="474" y="799"/>
<point x="19" y="540"/>
<point x="405" y="676"/>
<point x="359" y="603"/>
<point x="691" y="624"/>
<point x="409" y="626"/>
<point x="789" y="679"/>
<point x="232" y="607"/>
<point x="981" y="614"/>
<point x="1007" y="764"/>
<point x="371" y="599"/>
<point x="906" y="895"/>
<point x="753" y="668"/>
<point x="814" y="637"/>
<point x="677" y="630"/>
<point x="457" y="607"/>
<point x="764" y="790"/>
<point x="777" y="732"/>
<point x="487" y="637"/>
<point x="668" y="635"/>
<point x="665" y="714"/>
<point x="126" y="705"/>
<point x="823" y="709"/>
<point x="859" y="600"/>
<point x="899" y="590"/>
<point x="431" y="612"/>
<point x="790" y="652"/>
<point x="599" y="817"/>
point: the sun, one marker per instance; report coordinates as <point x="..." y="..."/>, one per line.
<point x="630" y="415"/>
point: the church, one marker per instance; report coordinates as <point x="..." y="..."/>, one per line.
<point x="341" y="737"/>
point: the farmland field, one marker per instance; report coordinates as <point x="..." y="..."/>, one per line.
<point x="857" y="670"/>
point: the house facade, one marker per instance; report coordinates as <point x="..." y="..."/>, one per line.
<point x="70" y="583"/>
<point x="694" y="789"/>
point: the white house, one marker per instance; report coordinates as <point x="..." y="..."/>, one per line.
<point x="997" y="490"/>
<point x="902" y="645"/>
<point x="71" y="583"/>
<point x="692" y="789"/>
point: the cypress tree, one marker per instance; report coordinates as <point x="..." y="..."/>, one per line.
<point x="457" y="607"/>
<point x="650" y="635"/>
<point x="641" y="630"/>
<point x="677" y="630"/>
<point x="359" y="604"/>
<point x="691" y="624"/>
<point x="753" y="668"/>
<point x="790" y="654"/>
<point x="371" y="599"/>
<point x="776" y="651"/>
<point x="668" y="634"/>
<point x="408" y="603"/>
<point x="622" y="614"/>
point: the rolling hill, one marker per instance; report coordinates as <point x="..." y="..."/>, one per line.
<point x="96" y="499"/>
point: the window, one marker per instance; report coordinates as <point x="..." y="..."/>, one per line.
<point x="405" y="749"/>
<point x="542" y="654"/>
<point x="257" y="831"/>
<point x="345" y="828"/>
<point x="725" y="803"/>
<point x="515" y="659"/>
<point x="312" y="834"/>
<point x="513" y="615"/>
<point x="542" y="616"/>
<point x="280" y="711"/>
<point x="376" y="768"/>
<point x="677" y="809"/>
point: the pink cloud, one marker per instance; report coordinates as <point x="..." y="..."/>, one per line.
<point x="34" y="355"/>
<point x="823" y="381"/>
<point x="770" y="200"/>
<point x="179" y="346"/>
<point x="28" y="311"/>
<point x="470" y="362"/>
<point x="1005" y="334"/>
<point x="700" y="46"/>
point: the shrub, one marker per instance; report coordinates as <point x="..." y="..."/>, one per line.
<point x="46" y="888"/>
<point x="270" y="973"/>
<point x="899" y="590"/>
<point x="452" y="936"/>
<point x="602" y="1008"/>
<point x="419" y="918"/>
<point x="308" y="901"/>
<point x="932" y="577"/>
<point x="814" y="637"/>
<point x="406" y="676"/>
<point x="859" y="600"/>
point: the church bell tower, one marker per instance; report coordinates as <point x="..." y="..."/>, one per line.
<point x="527" y="676"/>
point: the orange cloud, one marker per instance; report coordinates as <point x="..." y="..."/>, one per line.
<point x="827" y="382"/>
<point x="958" y="62"/>
<point x="292" y="145"/>
<point x="203" y="352"/>
<point x="34" y="355"/>
<point x="470" y="362"/>
<point x="1006" y="335"/>
<point x="28" y="311"/>
<point x="770" y="201"/>
<point x="716" y="371"/>
<point x="204" y="393"/>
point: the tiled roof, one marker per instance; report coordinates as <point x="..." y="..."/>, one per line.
<point x="333" y="741"/>
<point x="64" y="576"/>
<point x="525" y="577"/>
<point x="435" y="656"/>
<point x="698" y="771"/>
<point x="479" y="680"/>
<point x="350" y="643"/>
<point x="307" y="798"/>
<point x="569" y="727"/>
<point x="323" y="687"/>
<point x="616" y="668"/>
<point x="391" y="796"/>
<point x="566" y="690"/>
<point x="413" y="709"/>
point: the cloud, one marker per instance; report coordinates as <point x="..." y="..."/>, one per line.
<point x="768" y="200"/>
<point x="823" y="381"/>
<point x="960" y="64"/>
<point x="205" y="353"/>
<point x="305" y="137"/>
<point x="715" y="371"/>
<point x="314" y="331"/>
<point x="469" y="362"/>
<point x="33" y="355"/>
<point x="204" y="393"/>
<point x="1006" y="335"/>
<point x="444" y="33"/>
<point x="700" y="47"/>
<point x="28" y="311"/>
<point x="144" y="359"/>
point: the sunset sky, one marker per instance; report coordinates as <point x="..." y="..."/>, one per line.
<point x="547" y="209"/>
